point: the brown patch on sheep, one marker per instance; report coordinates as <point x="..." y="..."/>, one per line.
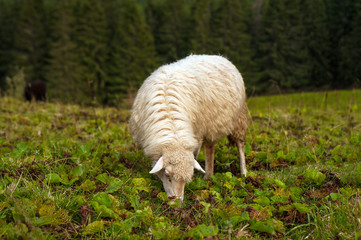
<point x="161" y="118"/>
<point x="156" y="103"/>
<point x="161" y="110"/>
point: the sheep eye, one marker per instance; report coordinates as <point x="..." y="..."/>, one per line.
<point x="168" y="176"/>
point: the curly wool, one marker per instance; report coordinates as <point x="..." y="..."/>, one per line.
<point x="199" y="98"/>
<point x="181" y="162"/>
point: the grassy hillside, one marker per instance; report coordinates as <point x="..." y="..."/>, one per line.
<point x="73" y="172"/>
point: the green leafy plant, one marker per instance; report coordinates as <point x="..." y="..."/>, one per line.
<point x="69" y="171"/>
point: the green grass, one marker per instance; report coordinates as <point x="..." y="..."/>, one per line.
<point x="73" y="172"/>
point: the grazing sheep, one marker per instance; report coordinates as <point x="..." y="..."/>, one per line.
<point x="36" y="90"/>
<point x="199" y="99"/>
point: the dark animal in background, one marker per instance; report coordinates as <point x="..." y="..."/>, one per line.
<point x="35" y="90"/>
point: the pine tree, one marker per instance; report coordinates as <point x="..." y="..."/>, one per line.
<point x="350" y="66"/>
<point x="64" y="73"/>
<point x="200" y="25"/>
<point x="315" y="22"/>
<point x="282" y="48"/>
<point x="9" y="15"/>
<point x="344" y="39"/>
<point x="91" y="39"/>
<point x="114" y="86"/>
<point x="137" y="43"/>
<point x="135" y="57"/>
<point x="230" y="34"/>
<point x="169" y="24"/>
<point x="31" y="41"/>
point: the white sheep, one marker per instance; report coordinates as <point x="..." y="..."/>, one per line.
<point x="199" y="99"/>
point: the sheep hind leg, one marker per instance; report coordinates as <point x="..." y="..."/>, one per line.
<point x="242" y="158"/>
<point x="209" y="150"/>
<point x="238" y="136"/>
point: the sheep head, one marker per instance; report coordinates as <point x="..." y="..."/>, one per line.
<point x="175" y="172"/>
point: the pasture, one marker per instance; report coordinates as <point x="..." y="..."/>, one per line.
<point x="73" y="172"/>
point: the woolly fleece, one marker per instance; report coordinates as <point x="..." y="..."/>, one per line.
<point x="181" y="105"/>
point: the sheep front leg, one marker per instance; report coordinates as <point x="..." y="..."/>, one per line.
<point x="242" y="158"/>
<point x="196" y="152"/>
<point x="209" y="149"/>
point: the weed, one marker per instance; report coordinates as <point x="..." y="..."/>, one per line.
<point x="73" y="172"/>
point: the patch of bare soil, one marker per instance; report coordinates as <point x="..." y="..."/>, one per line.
<point x="255" y="181"/>
<point x="186" y="215"/>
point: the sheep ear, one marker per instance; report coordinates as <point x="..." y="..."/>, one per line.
<point x="198" y="167"/>
<point x="158" y="166"/>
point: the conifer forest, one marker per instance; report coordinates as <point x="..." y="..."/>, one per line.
<point x="101" y="51"/>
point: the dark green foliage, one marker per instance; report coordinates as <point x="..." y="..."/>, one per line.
<point x="303" y="44"/>
<point x="138" y="52"/>
<point x="131" y="56"/>
<point x="315" y="22"/>
<point x="31" y="42"/>
<point x="350" y="50"/>
<point x="91" y="41"/>
<point x="342" y="20"/>
<point x="114" y="85"/>
<point x="200" y="24"/>
<point x="10" y="11"/>
<point x="65" y="70"/>
<point x="229" y="33"/>
<point x="91" y="51"/>
<point x="168" y="20"/>
<point x="283" y="56"/>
